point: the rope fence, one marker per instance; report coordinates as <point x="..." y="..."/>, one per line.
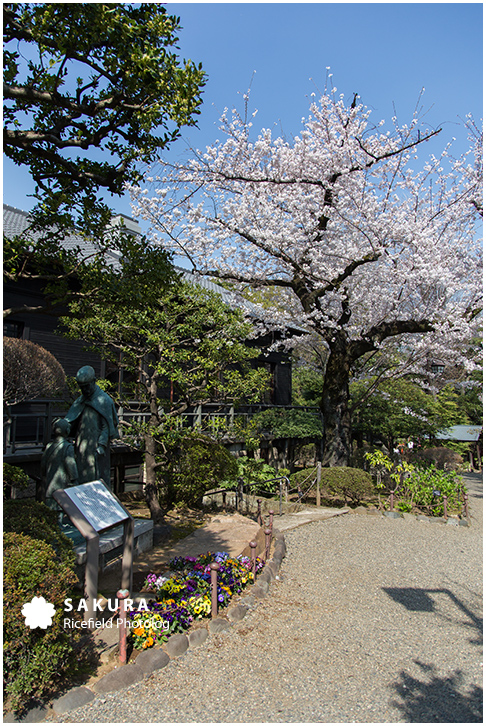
<point x="244" y="494"/>
<point x="429" y="508"/>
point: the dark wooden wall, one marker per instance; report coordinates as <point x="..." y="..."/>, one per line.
<point x="73" y="354"/>
<point x="41" y="329"/>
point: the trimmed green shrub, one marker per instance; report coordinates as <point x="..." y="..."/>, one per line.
<point x="13" y="476"/>
<point x="257" y="473"/>
<point x="36" y="661"/>
<point x="442" y="457"/>
<point x="351" y="484"/>
<point x="342" y="481"/>
<point x="29" y="371"/>
<point x="304" y="476"/>
<point x="36" y="520"/>
<point x="198" y="465"/>
<point x="289" y="423"/>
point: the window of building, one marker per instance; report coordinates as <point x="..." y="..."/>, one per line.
<point x="13" y="328"/>
<point x="437" y="368"/>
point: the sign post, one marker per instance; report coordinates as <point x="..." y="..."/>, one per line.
<point x="92" y="509"/>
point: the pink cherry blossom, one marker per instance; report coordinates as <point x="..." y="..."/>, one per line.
<point x="369" y="251"/>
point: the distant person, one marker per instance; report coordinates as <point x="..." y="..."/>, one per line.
<point x="94" y="423"/>
<point x="58" y="463"/>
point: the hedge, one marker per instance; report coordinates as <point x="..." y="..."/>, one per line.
<point x="343" y="481"/>
<point x="37" y="661"/>
<point x="347" y="482"/>
<point x="36" y="520"/>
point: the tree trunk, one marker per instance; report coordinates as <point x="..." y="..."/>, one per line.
<point x="151" y="489"/>
<point x="335" y="406"/>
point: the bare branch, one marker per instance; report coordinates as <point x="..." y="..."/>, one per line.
<point x="347" y="272"/>
<point x="388" y="329"/>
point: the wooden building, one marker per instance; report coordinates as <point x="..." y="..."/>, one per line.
<point x="32" y="419"/>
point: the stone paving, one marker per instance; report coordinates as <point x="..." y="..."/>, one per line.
<point x="297" y="519"/>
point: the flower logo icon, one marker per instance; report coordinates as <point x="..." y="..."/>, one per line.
<point x="38" y="613"/>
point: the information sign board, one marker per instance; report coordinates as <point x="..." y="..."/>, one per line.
<point x="97" y="504"/>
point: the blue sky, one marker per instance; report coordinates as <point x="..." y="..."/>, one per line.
<point x="386" y="52"/>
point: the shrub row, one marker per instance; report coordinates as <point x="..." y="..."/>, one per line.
<point x="343" y="481"/>
<point x="38" y="561"/>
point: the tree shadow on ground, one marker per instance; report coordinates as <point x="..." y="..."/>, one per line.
<point x="474" y="486"/>
<point x="436" y="699"/>
<point x="419" y="599"/>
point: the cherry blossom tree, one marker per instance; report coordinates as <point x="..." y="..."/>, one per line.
<point x="372" y="250"/>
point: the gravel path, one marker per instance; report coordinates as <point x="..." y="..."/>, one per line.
<point x="373" y="620"/>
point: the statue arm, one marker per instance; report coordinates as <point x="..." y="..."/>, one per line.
<point x="104" y="404"/>
<point x="104" y="436"/>
<point x="71" y="466"/>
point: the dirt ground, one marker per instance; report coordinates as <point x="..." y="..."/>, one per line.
<point x="183" y="532"/>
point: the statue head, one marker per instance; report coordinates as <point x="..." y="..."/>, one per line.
<point x="86" y="378"/>
<point x="61" y="427"/>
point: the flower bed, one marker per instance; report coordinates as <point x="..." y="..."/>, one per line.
<point x="185" y="596"/>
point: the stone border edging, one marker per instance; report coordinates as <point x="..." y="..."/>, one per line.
<point x="149" y="661"/>
<point x="395" y="514"/>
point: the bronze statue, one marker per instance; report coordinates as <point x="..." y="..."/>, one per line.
<point x="58" y="463"/>
<point x="94" y="423"/>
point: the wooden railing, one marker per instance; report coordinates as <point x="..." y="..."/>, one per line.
<point x="29" y="425"/>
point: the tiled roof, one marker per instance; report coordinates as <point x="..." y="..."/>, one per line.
<point x="230" y="298"/>
<point x="16" y="222"/>
<point x="461" y="433"/>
